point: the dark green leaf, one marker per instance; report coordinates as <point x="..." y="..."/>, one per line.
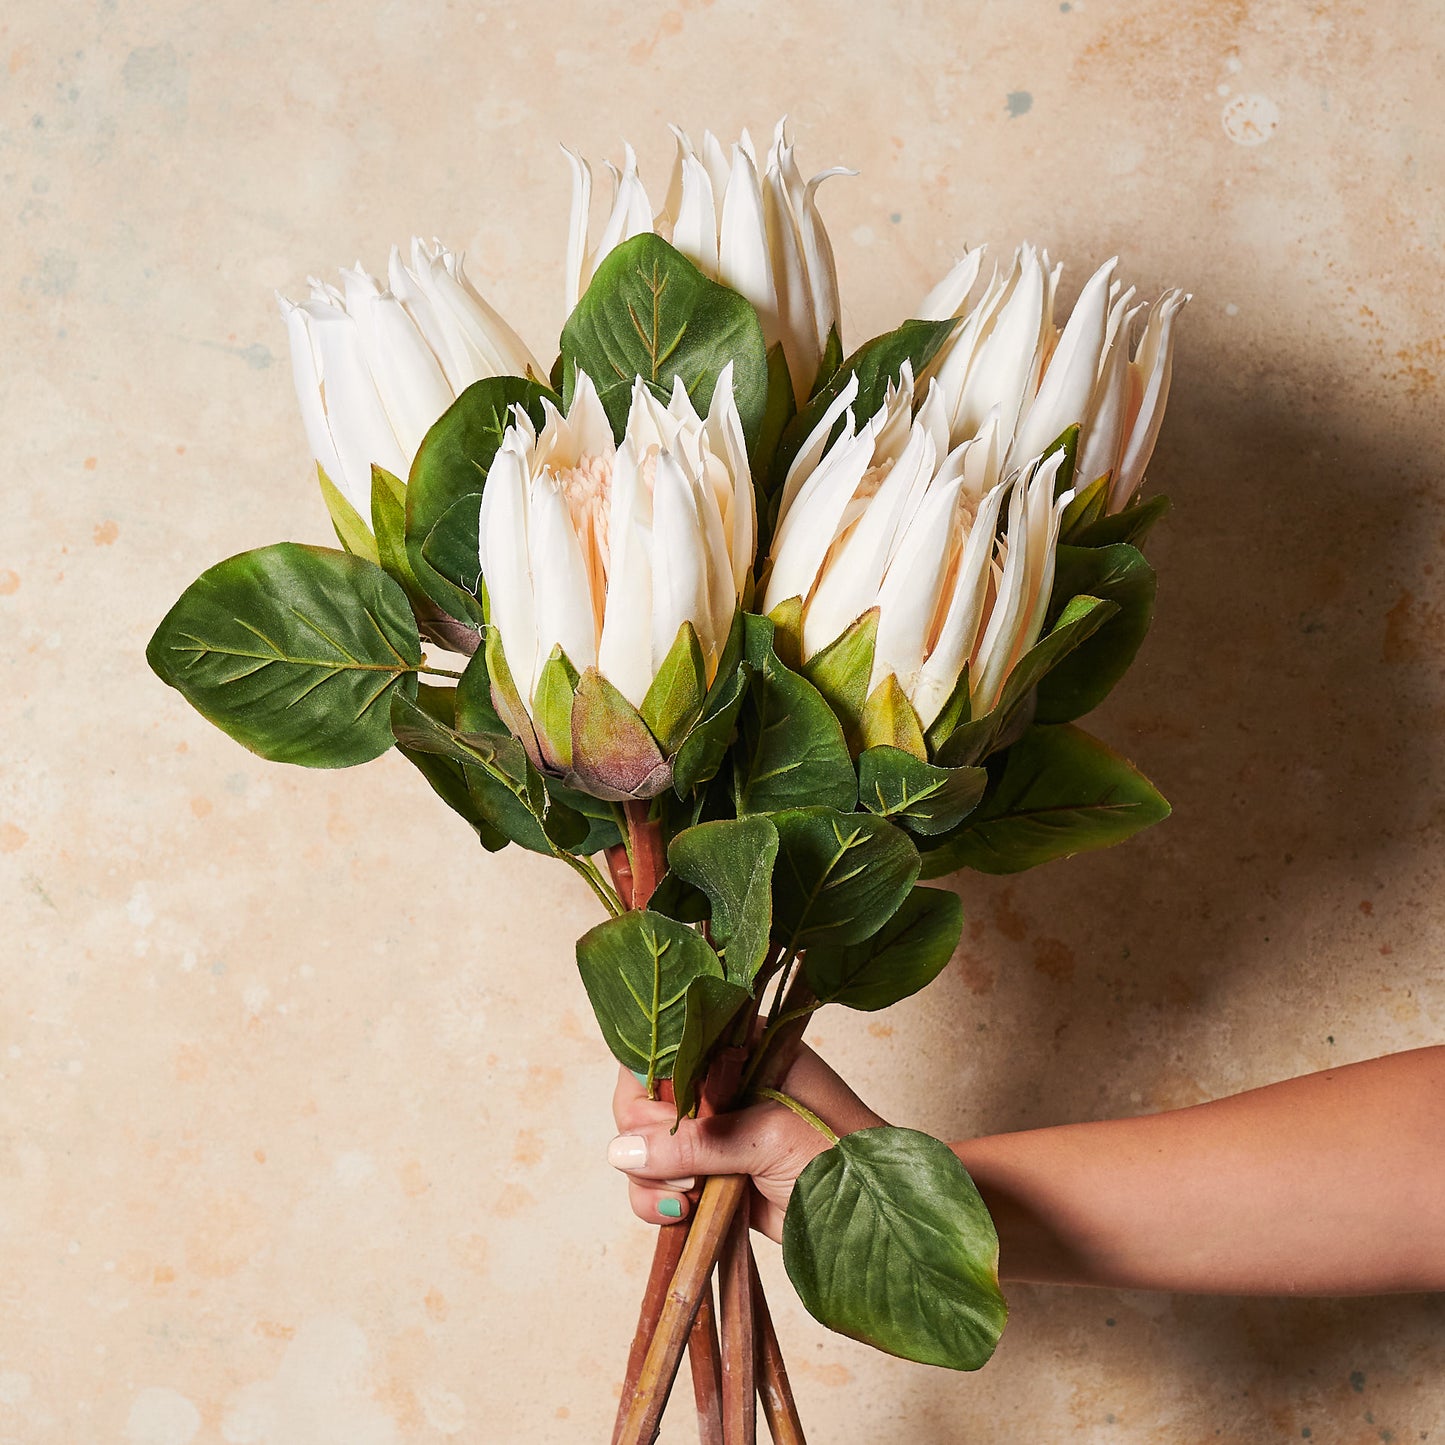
<point x="1083" y="679"/>
<point x="876" y="363"/>
<point x="904" y="956"/>
<point x="1131" y="525"/>
<point x="447" y="776"/>
<point x="450" y="551"/>
<point x="832" y="359"/>
<point x="887" y="1240"/>
<point x="293" y="651"/>
<point x="636" y="970"/>
<point x="675" y="696"/>
<point x="709" y="1006"/>
<point x="475" y="712"/>
<point x="731" y="860"/>
<point x="704" y="748"/>
<point x="780" y="410"/>
<point x="451" y="464"/>
<point x="1057" y="791"/>
<point x="650" y="312"/>
<point x="839" y="876"/>
<point x="791" y="750"/>
<point x="921" y="797"/>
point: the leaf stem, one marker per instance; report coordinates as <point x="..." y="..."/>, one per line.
<point x="801" y="1110"/>
<point x="437" y="671"/>
<point x="592" y="876"/>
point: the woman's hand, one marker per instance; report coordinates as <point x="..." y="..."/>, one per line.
<point x="766" y="1140"/>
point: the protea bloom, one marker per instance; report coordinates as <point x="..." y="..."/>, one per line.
<point x="893" y="528"/>
<point x="753" y="226"/>
<point x="376" y="364"/>
<point x="1009" y="358"/>
<point x="609" y="567"/>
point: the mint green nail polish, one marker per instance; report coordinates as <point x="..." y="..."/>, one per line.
<point x="670" y="1208"/>
<point x="641" y="1078"/>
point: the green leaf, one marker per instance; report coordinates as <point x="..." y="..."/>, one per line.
<point x="832" y="359"/>
<point x="388" y="521"/>
<point x="675" y="696"/>
<point x="1131" y="525"/>
<point x="614" y="755"/>
<point x="839" y="876"/>
<point x="552" y="708"/>
<point x="974" y="740"/>
<point x="780" y="410"/>
<point x="450" y="551"/>
<point x="650" y="312"/>
<point x="293" y="651"/>
<point x="903" y="957"/>
<point x="709" y="1006"/>
<point x="841" y="671"/>
<point x="889" y="720"/>
<point x="887" y="1240"/>
<point x="791" y="750"/>
<point x="349" y="525"/>
<point x="448" y="777"/>
<point x="1086" y="508"/>
<point x="876" y="363"/>
<point x="636" y="970"/>
<point x="1068" y="441"/>
<point x="475" y="712"/>
<point x="705" y="747"/>
<point x="731" y="860"/>
<point x="1057" y="792"/>
<point x="1083" y="679"/>
<point x="921" y="797"/>
<point x="451" y="464"/>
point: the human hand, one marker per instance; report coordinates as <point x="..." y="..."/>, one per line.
<point x="767" y="1141"/>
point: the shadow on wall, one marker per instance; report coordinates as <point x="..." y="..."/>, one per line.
<point x="1272" y="926"/>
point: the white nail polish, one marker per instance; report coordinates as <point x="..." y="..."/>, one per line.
<point x="627" y="1151"/>
<point x="681" y="1185"/>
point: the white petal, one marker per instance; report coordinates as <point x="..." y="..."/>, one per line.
<point x="592" y="432"/>
<point x="1068" y="384"/>
<point x="724" y="429"/>
<point x="695" y="232"/>
<point x="797" y="325"/>
<point x="1152" y="368"/>
<point x="505" y="351"/>
<point x="944" y="665"/>
<point x="1103" y="436"/>
<point x="624" y="654"/>
<point x="408" y="377"/>
<point x="908" y="598"/>
<point x="811" y="452"/>
<point x="992" y="657"/>
<point x="564" y="601"/>
<point x="359" y="426"/>
<point x="579" y="269"/>
<point x="306" y="373"/>
<point x="506" y="561"/>
<point x="743" y="260"/>
<point x="806" y="531"/>
<point x="950" y="295"/>
<point x="679" y="560"/>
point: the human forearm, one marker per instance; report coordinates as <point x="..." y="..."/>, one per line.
<point x="1333" y="1183"/>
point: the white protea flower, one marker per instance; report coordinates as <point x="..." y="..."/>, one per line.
<point x="376" y="363"/>
<point x="1009" y="355"/>
<point x="605" y="560"/>
<point x="893" y="517"/>
<point x="754" y="225"/>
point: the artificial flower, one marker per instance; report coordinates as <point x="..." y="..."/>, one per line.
<point x="1008" y="359"/>
<point x="376" y="364"/>
<point x="752" y="225"/>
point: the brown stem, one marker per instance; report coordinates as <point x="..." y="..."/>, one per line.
<point x="643" y="1408"/>
<point x="780" y="1410"/>
<point x="739" y="1334"/>
<point x="648" y="852"/>
<point x="664" y="1265"/>
<point x="706" y="1362"/>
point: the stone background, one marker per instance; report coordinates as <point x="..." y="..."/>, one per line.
<point x="303" y="1113"/>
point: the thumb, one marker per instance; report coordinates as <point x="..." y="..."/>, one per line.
<point x="766" y="1141"/>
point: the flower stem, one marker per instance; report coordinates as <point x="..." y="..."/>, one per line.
<point x="801" y="1110"/>
<point x="780" y="1410"/>
<point x="739" y="1335"/>
<point x="647" y="852"/>
<point x="706" y="1361"/>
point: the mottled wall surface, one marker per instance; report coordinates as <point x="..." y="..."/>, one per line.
<point x="303" y="1113"/>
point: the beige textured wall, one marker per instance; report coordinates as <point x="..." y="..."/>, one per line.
<point x="303" y="1112"/>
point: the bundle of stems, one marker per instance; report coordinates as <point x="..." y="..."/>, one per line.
<point x="704" y="1295"/>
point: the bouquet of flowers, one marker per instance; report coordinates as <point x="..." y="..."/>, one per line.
<point x="751" y="635"/>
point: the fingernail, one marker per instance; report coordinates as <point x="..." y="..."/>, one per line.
<point x="681" y="1185"/>
<point x="670" y="1208"/>
<point x="641" y="1078"/>
<point x="627" y="1151"/>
